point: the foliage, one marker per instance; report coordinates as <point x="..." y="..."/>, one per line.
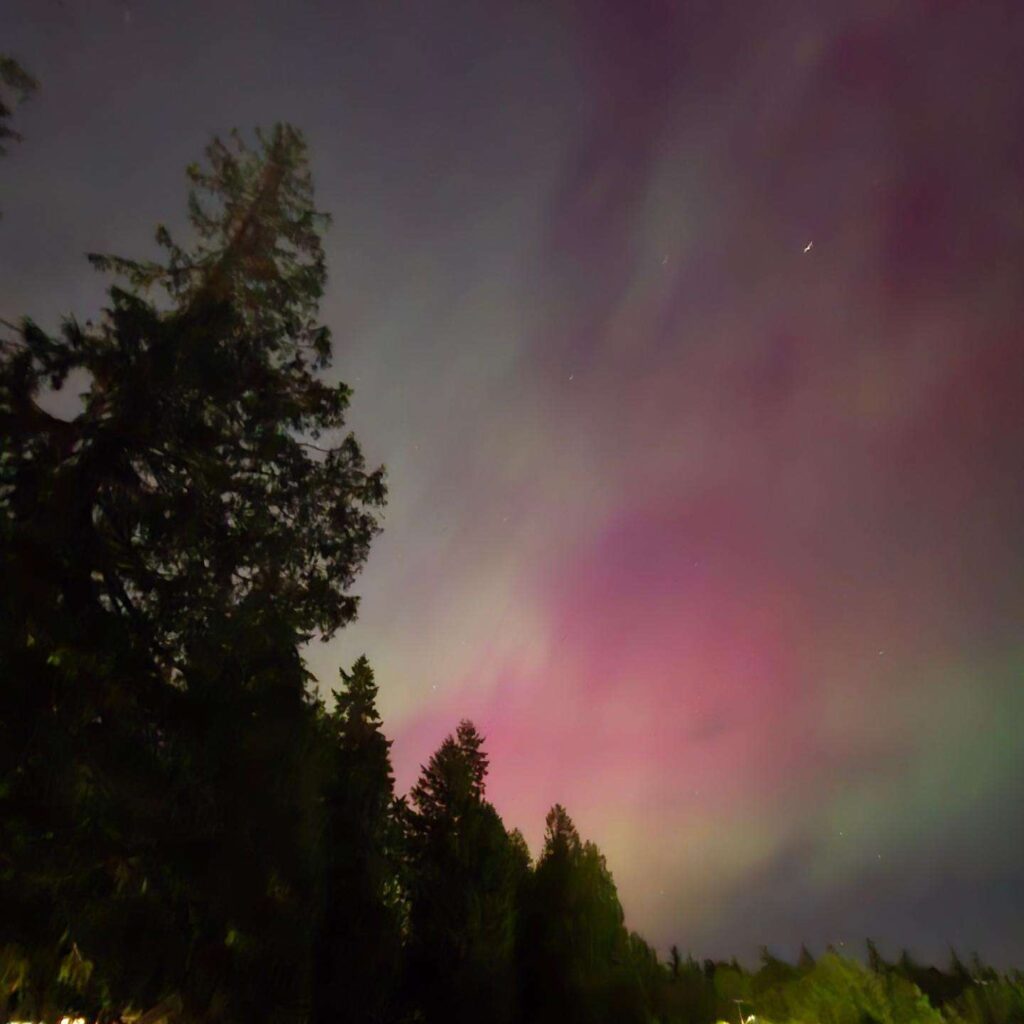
<point x="576" y="957"/>
<point x="842" y="991"/>
<point x="997" y="1000"/>
<point x="168" y="550"/>
<point x="832" y="990"/>
<point x="465" y="875"/>
<point x="357" y="949"/>
<point x="16" y="85"/>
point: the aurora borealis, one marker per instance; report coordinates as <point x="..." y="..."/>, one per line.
<point x="691" y="336"/>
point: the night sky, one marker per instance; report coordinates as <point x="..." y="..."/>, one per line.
<point x="692" y="337"/>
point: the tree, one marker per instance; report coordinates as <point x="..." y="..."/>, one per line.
<point x="675" y="961"/>
<point x="452" y="781"/>
<point x="16" y="85"/>
<point x="773" y="973"/>
<point x="166" y="551"/>
<point x="465" y="877"/>
<point x="576" y="960"/>
<point x="805" y="961"/>
<point x="357" y="949"/>
<point x="686" y="993"/>
<point x="845" y="992"/>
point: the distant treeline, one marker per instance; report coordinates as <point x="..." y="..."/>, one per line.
<point x="187" y="832"/>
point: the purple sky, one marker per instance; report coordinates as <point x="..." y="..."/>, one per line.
<point x="691" y="335"/>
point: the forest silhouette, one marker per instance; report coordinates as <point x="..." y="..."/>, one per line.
<point x="188" y="831"/>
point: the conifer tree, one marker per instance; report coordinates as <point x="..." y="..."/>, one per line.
<point x="675" y="962"/>
<point x="166" y="551"/>
<point x="576" y="962"/>
<point x="465" y="877"/>
<point x="357" y="948"/>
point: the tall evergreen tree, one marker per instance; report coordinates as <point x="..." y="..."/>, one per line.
<point x="166" y="551"/>
<point x="465" y="876"/>
<point x="357" y="949"/>
<point x="575" y="955"/>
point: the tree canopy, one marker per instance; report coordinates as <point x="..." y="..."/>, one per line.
<point x="169" y="549"/>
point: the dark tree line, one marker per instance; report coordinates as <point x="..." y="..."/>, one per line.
<point x="187" y="831"/>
